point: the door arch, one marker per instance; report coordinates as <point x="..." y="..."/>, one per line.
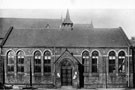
<point x="66" y="73"/>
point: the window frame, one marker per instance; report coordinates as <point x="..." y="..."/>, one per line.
<point x="92" y="58"/>
<point x="47" y="57"/>
<point x="37" y="62"/>
<point x="85" y="61"/>
<point x="11" y="65"/>
<point x="20" y="65"/>
<point x="112" y="57"/>
<point x="124" y="59"/>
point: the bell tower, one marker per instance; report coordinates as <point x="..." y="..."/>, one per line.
<point x="67" y="24"/>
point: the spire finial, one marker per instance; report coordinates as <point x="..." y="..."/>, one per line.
<point x="91" y="25"/>
<point x="67" y="14"/>
<point x="67" y="20"/>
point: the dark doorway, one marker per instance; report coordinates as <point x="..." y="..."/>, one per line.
<point x="81" y="76"/>
<point x="66" y="73"/>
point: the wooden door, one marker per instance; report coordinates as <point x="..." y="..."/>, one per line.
<point x="66" y="73"/>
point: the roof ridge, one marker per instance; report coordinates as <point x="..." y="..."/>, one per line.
<point x="37" y="28"/>
<point x="29" y="18"/>
<point x="106" y="28"/>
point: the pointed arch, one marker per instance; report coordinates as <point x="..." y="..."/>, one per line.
<point x="112" y="61"/>
<point x="37" y="61"/>
<point x="20" y="61"/>
<point x="10" y="61"/>
<point x="121" y="61"/>
<point x="85" y="60"/>
<point x="95" y="56"/>
<point x="47" y="61"/>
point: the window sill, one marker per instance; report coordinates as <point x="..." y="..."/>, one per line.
<point x="121" y="73"/>
<point x="10" y="73"/>
<point x="37" y="74"/>
<point x="20" y="73"/>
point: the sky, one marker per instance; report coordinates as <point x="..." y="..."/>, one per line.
<point x="103" y="13"/>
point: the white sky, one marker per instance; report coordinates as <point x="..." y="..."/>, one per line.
<point x="103" y="13"/>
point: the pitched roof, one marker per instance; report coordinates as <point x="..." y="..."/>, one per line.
<point x="19" y="23"/>
<point x="78" y="37"/>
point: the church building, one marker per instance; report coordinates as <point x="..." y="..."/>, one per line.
<point x="52" y="53"/>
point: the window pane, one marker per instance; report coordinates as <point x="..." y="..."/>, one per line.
<point x="20" y="69"/>
<point x="20" y="60"/>
<point x="112" y="61"/>
<point x="10" y="60"/>
<point x="47" y="61"/>
<point x="37" y="61"/>
<point x="85" y="53"/>
<point x="121" y="65"/>
<point x="37" y="69"/>
<point x="112" y="53"/>
<point x="94" y="61"/>
<point x="94" y="53"/>
<point x="37" y="53"/>
<point x="121" y="53"/>
<point x="94" y="68"/>
<point x="47" y="68"/>
<point x="10" y="68"/>
<point x="111" y="68"/>
<point x="47" y="53"/>
<point x="121" y="61"/>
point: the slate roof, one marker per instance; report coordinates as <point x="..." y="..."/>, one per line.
<point x="26" y="23"/>
<point x="78" y="37"/>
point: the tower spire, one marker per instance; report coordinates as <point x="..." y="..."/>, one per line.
<point x="67" y="24"/>
<point x="67" y="20"/>
<point x="91" y="25"/>
<point x="67" y="15"/>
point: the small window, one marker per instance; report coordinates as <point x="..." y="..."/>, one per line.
<point x="20" y="61"/>
<point x="112" y="66"/>
<point x="47" y="62"/>
<point x="37" y="62"/>
<point x="10" y="61"/>
<point x="121" y="62"/>
<point x="85" y="61"/>
<point x="95" y="62"/>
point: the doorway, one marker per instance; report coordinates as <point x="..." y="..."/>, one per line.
<point x="66" y="73"/>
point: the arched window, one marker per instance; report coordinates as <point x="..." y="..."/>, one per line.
<point x="121" y="61"/>
<point x="47" y="62"/>
<point x="95" y="55"/>
<point x="10" y="61"/>
<point x="85" y="61"/>
<point x="20" y="61"/>
<point x="37" y="62"/>
<point x="112" y="66"/>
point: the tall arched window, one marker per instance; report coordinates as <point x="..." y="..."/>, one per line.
<point x="85" y="60"/>
<point x="112" y="59"/>
<point x="95" y="55"/>
<point x="10" y="61"/>
<point x="121" y="61"/>
<point x="47" y="62"/>
<point x="20" y="61"/>
<point x="37" y="62"/>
